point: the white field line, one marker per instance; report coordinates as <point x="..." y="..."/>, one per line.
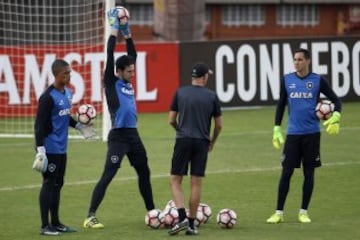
<point x="120" y="179"/>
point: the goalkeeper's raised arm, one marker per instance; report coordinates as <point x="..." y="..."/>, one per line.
<point x="124" y="29"/>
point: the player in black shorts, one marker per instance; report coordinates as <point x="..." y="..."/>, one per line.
<point x="123" y="138"/>
<point x="301" y="91"/>
<point x="191" y="112"/>
<point x="53" y="118"/>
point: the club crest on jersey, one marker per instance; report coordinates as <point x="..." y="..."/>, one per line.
<point x="309" y="85"/>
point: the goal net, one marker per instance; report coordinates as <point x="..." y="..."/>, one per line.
<point x="33" y="33"/>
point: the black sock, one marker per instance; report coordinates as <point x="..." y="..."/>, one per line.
<point x="191" y="222"/>
<point x="100" y="189"/>
<point x="91" y="214"/>
<point x="145" y="187"/>
<point x="54" y="207"/>
<point x="182" y="214"/>
<point x="308" y="187"/>
<point x="284" y="185"/>
<point x="44" y="200"/>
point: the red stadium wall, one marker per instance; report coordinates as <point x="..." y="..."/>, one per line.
<point x="25" y="72"/>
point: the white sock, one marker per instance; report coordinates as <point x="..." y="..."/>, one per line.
<point x="303" y="211"/>
<point x="279" y="212"/>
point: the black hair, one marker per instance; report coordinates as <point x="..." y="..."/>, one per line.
<point x="304" y="51"/>
<point x="58" y="65"/>
<point x="123" y="62"/>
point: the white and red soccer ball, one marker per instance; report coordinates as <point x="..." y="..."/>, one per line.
<point x="324" y="109"/>
<point x="206" y="211"/>
<point x="169" y="205"/>
<point x="154" y="218"/>
<point x="123" y="14"/>
<point x="86" y="114"/>
<point x="226" y="218"/>
<point x="171" y="217"/>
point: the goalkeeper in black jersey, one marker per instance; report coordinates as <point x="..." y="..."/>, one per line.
<point x="301" y="90"/>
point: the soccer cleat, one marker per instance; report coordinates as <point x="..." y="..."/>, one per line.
<point x="63" y="228"/>
<point x="92" y="222"/>
<point x="49" y="231"/>
<point x="304" y="218"/>
<point x="183" y="225"/>
<point x="191" y="231"/>
<point x="275" y="218"/>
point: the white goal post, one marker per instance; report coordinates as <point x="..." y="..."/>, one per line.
<point x="32" y="36"/>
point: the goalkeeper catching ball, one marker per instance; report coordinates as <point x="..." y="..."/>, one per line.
<point x="301" y="91"/>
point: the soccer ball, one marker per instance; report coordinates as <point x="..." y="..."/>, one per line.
<point x="154" y="218"/>
<point x="86" y="114"/>
<point x="206" y="210"/>
<point x="123" y="14"/>
<point x="324" y="109"/>
<point x="226" y="218"/>
<point x="171" y="217"/>
<point x="168" y="205"/>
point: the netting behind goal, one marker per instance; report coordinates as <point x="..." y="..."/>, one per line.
<point x="33" y="33"/>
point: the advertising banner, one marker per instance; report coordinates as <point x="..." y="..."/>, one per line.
<point x="25" y="72"/>
<point x="248" y="72"/>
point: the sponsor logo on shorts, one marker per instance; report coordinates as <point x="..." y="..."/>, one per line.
<point x="114" y="159"/>
<point x="283" y="156"/>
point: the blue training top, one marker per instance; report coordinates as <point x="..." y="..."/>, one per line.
<point x="120" y="94"/>
<point x="53" y="119"/>
<point x="302" y="96"/>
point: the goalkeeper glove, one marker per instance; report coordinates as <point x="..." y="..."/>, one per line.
<point x="277" y="137"/>
<point x="112" y="15"/>
<point x="41" y="162"/>
<point x="86" y="130"/>
<point x="333" y="123"/>
<point x="125" y="29"/>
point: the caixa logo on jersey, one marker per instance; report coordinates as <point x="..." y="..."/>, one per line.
<point x="301" y="95"/>
<point x="64" y="112"/>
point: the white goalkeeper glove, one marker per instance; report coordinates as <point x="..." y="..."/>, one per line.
<point x="41" y="162"/>
<point x="87" y="131"/>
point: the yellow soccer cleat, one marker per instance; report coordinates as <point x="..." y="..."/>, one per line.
<point x="92" y="222"/>
<point x="275" y="218"/>
<point x="304" y="218"/>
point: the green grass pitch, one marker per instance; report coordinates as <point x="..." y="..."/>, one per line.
<point x="242" y="174"/>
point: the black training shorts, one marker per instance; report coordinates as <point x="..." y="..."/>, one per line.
<point x="302" y="148"/>
<point x="191" y="151"/>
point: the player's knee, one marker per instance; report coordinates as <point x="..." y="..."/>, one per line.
<point x="309" y="173"/>
<point x="287" y="173"/>
<point x="142" y="168"/>
<point x="59" y="183"/>
<point x="108" y="175"/>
